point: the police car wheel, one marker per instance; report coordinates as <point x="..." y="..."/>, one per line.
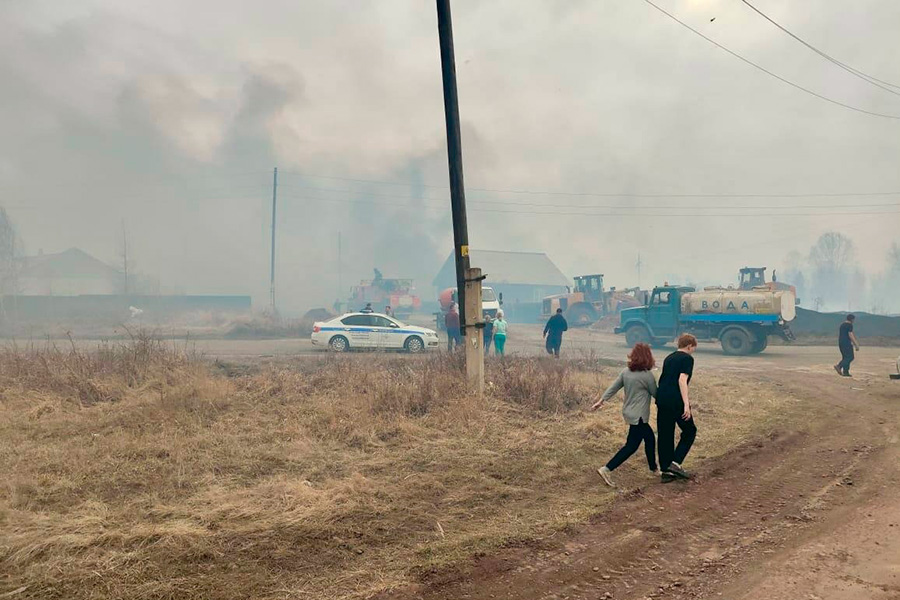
<point x="339" y="344"/>
<point x="414" y="345"/>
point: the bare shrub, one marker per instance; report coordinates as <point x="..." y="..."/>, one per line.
<point x="541" y="384"/>
<point x="100" y="375"/>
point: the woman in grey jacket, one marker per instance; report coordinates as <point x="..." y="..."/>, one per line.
<point x="640" y="386"/>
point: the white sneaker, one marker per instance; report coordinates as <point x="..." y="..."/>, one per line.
<point x="605" y="474"/>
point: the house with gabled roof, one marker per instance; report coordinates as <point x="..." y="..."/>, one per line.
<point x="522" y="277"/>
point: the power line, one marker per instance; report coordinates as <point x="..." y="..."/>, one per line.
<point x="517" y="203"/>
<point x="619" y="206"/>
<point x="596" y="214"/>
<point x="855" y="72"/>
<point x="770" y="73"/>
<point x="596" y="194"/>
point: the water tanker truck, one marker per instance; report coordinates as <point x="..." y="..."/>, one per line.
<point x="741" y="320"/>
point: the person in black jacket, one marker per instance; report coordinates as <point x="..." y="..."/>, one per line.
<point x="846" y="343"/>
<point x="674" y="408"/>
<point x="553" y="332"/>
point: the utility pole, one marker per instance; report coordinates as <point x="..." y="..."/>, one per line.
<point x="125" y="255"/>
<point x="454" y="156"/>
<point x="340" y="267"/>
<point x="468" y="298"/>
<point x="272" y="263"/>
<point x="639" y="265"/>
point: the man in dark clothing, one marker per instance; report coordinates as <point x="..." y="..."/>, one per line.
<point x="674" y="408"/>
<point x="553" y="332"/>
<point x="368" y="308"/>
<point x="451" y="322"/>
<point x="846" y="343"/>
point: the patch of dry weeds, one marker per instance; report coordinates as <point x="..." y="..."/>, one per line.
<point x="138" y="472"/>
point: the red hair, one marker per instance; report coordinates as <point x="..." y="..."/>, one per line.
<point x="641" y="358"/>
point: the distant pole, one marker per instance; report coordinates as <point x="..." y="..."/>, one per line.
<point x="272" y="262"/>
<point x="340" y="269"/>
<point x="454" y="156"/>
<point x="125" y="255"/>
<point x="639" y="265"/>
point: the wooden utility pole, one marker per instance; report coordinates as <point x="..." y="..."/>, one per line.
<point x="272" y="262"/>
<point x="454" y="155"/>
<point x="474" y="334"/>
<point x="469" y="309"/>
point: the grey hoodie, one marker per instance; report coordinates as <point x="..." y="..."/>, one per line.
<point x="639" y="386"/>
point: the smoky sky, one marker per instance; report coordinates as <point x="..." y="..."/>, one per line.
<point x="164" y="119"/>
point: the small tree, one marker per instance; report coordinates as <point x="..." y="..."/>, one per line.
<point x="833" y="259"/>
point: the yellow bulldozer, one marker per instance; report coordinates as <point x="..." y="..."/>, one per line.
<point x="755" y="277"/>
<point x="589" y="301"/>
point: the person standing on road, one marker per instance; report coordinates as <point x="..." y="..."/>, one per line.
<point x="674" y="408"/>
<point x="388" y="311"/>
<point x="368" y="309"/>
<point x="846" y="343"/>
<point x="451" y="322"/>
<point x="488" y="333"/>
<point x="553" y="332"/>
<point x="640" y="386"/>
<point x="500" y="329"/>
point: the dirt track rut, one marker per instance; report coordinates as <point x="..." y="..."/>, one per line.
<point x="783" y="517"/>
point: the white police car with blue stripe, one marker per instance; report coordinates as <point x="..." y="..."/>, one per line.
<point x="371" y="330"/>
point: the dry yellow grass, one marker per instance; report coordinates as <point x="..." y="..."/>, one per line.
<point x="139" y="472"/>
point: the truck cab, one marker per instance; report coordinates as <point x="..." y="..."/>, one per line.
<point x="656" y="322"/>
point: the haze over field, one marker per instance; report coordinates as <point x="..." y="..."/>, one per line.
<point x="169" y="116"/>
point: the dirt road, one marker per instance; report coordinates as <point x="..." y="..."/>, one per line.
<point x="810" y="513"/>
<point x="526" y="339"/>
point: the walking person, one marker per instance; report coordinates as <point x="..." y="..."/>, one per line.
<point x="500" y="330"/>
<point x="640" y="385"/>
<point x="451" y="322"/>
<point x="553" y="332"/>
<point x="488" y="333"/>
<point x="674" y="408"/>
<point x="846" y="343"/>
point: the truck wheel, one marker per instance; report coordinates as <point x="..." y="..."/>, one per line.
<point x="637" y="334"/>
<point x="580" y="316"/>
<point x="761" y="344"/>
<point x="736" y="342"/>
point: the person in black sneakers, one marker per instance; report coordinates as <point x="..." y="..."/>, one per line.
<point x="846" y="343"/>
<point x="674" y="408"/>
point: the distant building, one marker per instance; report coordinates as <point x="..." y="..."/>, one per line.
<point x="522" y="277"/>
<point x="70" y="273"/>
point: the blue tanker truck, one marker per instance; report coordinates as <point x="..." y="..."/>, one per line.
<point x="740" y="320"/>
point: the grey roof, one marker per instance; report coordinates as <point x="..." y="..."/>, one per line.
<point x="70" y="263"/>
<point x="527" y="268"/>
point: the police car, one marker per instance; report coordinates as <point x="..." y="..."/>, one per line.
<point x="371" y="330"/>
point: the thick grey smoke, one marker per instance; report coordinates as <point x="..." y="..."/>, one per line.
<point x="169" y="116"/>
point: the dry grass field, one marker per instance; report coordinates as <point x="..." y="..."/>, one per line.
<point x="139" y="470"/>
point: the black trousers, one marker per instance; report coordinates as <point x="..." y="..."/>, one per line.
<point x="642" y="432"/>
<point x="666" y="420"/>
<point x="553" y="345"/>
<point x="847" y="357"/>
